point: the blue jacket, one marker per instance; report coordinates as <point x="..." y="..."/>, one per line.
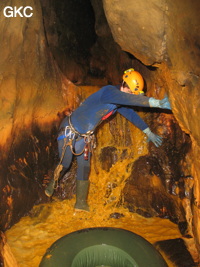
<point x="103" y="103"/>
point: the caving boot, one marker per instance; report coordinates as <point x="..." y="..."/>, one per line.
<point x="81" y="195"/>
<point x="50" y="188"/>
<point x="60" y="171"/>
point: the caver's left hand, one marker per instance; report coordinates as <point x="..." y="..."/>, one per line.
<point x="156" y="139"/>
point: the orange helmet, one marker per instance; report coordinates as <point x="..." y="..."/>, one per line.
<point x="134" y="80"/>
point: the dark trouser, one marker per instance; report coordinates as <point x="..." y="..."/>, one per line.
<point x="83" y="168"/>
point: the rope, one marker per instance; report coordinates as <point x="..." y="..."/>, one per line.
<point x="57" y="174"/>
<point x="90" y="143"/>
<point x="60" y="166"/>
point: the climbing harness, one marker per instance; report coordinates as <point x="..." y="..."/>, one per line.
<point x="70" y="134"/>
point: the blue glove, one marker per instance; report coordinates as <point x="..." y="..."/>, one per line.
<point x="156" y="139"/>
<point x="164" y="103"/>
<point x="156" y="103"/>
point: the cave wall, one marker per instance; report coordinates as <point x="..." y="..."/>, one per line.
<point x="165" y="34"/>
<point x="40" y="56"/>
<point x="25" y="74"/>
<point x="33" y="90"/>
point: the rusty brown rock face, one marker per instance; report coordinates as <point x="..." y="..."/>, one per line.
<point x="165" y="34"/>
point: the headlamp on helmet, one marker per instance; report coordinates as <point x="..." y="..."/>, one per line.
<point x="134" y="80"/>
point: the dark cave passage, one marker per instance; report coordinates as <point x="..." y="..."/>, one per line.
<point x="70" y="32"/>
<point x="81" y="42"/>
